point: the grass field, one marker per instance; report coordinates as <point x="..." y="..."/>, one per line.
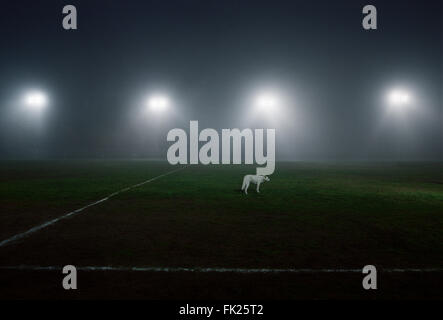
<point x="310" y="215"/>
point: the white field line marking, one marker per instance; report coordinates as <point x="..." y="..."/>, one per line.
<point x="75" y="212"/>
<point x="214" y="270"/>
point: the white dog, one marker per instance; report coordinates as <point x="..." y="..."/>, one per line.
<point x="254" y="179"/>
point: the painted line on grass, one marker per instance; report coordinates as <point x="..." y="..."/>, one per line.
<point x="216" y="270"/>
<point x="75" y="212"/>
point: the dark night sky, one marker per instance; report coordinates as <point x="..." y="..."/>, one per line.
<point x="207" y="55"/>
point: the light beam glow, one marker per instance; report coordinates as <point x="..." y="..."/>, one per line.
<point x="267" y="102"/>
<point x="398" y="99"/>
<point x="158" y="103"/>
<point x="36" y="100"/>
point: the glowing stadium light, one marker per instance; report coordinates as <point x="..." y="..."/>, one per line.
<point x="267" y="102"/>
<point x="158" y="103"/>
<point x="36" y="100"/>
<point x="398" y="99"/>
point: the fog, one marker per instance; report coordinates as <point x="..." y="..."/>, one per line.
<point x="211" y="58"/>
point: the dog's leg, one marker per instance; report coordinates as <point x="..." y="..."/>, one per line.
<point x="246" y="188"/>
<point x="258" y="187"/>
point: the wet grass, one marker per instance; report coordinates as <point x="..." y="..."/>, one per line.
<point x="310" y="215"/>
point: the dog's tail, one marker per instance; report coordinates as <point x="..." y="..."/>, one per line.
<point x="244" y="183"/>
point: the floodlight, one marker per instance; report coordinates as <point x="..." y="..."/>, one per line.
<point x="158" y="103"/>
<point x="398" y="99"/>
<point x="36" y="100"/>
<point x="266" y="102"/>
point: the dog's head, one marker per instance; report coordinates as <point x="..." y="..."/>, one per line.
<point x="267" y="179"/>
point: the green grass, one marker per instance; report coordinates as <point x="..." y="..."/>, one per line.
<point x="32" y="192"/>
<point x="308" y="215"/>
